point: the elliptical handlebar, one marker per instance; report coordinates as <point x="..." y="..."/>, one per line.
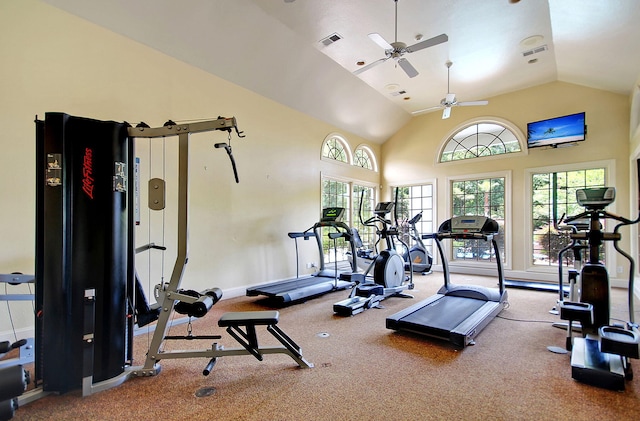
<point x="632" y="266"/>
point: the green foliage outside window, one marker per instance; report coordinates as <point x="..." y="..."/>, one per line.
<point x="554" y="196"/>
<point x="481" y="197"/>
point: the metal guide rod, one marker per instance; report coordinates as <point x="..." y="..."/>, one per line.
<point x="182" y="131"/>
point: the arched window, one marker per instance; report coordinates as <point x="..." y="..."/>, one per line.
<point x="336" y="147"/>
<point x="480" y="139"/>
<point x="364" y="157"/>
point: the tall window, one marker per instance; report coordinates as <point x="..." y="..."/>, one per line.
<point x="554" y="196"/>
<point x="483" y="197"/>
<point x="346" y="194"/>
<point x="411" y="201"/>
<point x="335" y="193"/>
<point x="364" y="201"/>
<point x="481" y="139"/>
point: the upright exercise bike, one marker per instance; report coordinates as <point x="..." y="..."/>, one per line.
<point x="601" y="357"/>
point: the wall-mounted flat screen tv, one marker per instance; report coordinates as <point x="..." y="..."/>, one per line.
<point x="557" y="131"/>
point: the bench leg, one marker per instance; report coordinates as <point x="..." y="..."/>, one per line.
<point x="247" y="339"/>
<point x="294" y="350"/>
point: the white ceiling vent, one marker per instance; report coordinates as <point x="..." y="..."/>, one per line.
<point x="331" y="39"/>
<point x="535" y="50"/>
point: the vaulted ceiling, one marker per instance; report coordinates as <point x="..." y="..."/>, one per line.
<point x="302" y="53"/>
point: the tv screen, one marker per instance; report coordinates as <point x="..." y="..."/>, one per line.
<point x="556" y="131"/>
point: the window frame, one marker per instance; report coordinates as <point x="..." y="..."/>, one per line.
<point x="345" y="145"/>
<point x="434" y="207"/>
<point x="520" y="137"/>
<point x="372" y="157"/>
<point x="352" y="200"/>
<point x="477" y="266"/>
<point x="609" y="168"/>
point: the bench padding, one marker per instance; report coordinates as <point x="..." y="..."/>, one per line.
<point x="245" y="318"/>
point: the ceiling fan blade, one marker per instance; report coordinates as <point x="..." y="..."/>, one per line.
<point x="446" y="113"/>
<point x="377" y="38"/>
<point x="472" y="103"/>
<point x="370" y="65"/>
<point x="407" y="67"/>
<point x="426" y="110"/>
<point x="450" y="98"/>
<point x="427" y="43"/>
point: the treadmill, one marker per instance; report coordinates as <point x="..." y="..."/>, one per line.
<point x="457" y="313"/>
<point x="324" y="280"/>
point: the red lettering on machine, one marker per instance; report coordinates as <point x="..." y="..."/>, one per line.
<point x="87" y="172"/>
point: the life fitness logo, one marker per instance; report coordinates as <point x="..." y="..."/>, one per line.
<point x="87" y="173"/>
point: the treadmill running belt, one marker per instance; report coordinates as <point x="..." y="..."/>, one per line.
<point x="442" y="315"/>
<point x="280" y="287"/>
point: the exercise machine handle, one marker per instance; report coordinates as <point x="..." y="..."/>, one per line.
<point x="227" y="148"/>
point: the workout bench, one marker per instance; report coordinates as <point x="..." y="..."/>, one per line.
<point x="240" y="325"/>
<point x="234" y="322"/>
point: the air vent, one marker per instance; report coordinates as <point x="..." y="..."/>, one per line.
<point x="331" y="39"/>
<point x="396" y="93"/>
<point x="534" y="51"/>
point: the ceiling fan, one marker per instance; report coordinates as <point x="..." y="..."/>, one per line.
<point x="450" y="100"/>
<point x="396" y="49"/>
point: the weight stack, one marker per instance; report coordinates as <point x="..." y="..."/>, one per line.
<point x="83" y="220"/>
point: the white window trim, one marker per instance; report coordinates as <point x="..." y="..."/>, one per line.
<point x="550" y="273"/>
<point x="522" y="140"/>
<point x="372" y="156"/>
<point x="352" y="181"/>
<point x="436" y="222"/>
<point x="345" y="145"/>
<point x="475" y="267"/>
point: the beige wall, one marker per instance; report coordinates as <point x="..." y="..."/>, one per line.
<point x="411" y="154"/>
<point x="55" y="62"/>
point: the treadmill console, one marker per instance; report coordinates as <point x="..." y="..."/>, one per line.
<point x="596" y="198"/>
<point x="469" y="225"/>
<point x="383" y="208"/>
<point x="333" y="214"/>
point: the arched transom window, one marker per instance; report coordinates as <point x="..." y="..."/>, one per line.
<point x="365" y="158"/>
<point x="336" y="147"/>
<point x="480" y="139"/>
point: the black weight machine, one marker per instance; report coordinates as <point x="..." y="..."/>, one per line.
<point x="85" y="301"/>
<point x="388" y="267"/>
<point x="457" y="313"/>
<point x="323" y="281"/>
<point x="601" y="357"/>
<point x="240" y="325"/>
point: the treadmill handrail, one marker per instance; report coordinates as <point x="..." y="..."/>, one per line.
<point x="465" y="236"/>
<point x="444" y="235"/>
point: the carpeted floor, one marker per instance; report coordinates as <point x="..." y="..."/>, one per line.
<point x="365" y="371"/>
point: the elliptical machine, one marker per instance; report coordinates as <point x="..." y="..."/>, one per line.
<point x="389" y="278"/>
<point x="417" y="258"/>
<point x="601" y="357"/>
